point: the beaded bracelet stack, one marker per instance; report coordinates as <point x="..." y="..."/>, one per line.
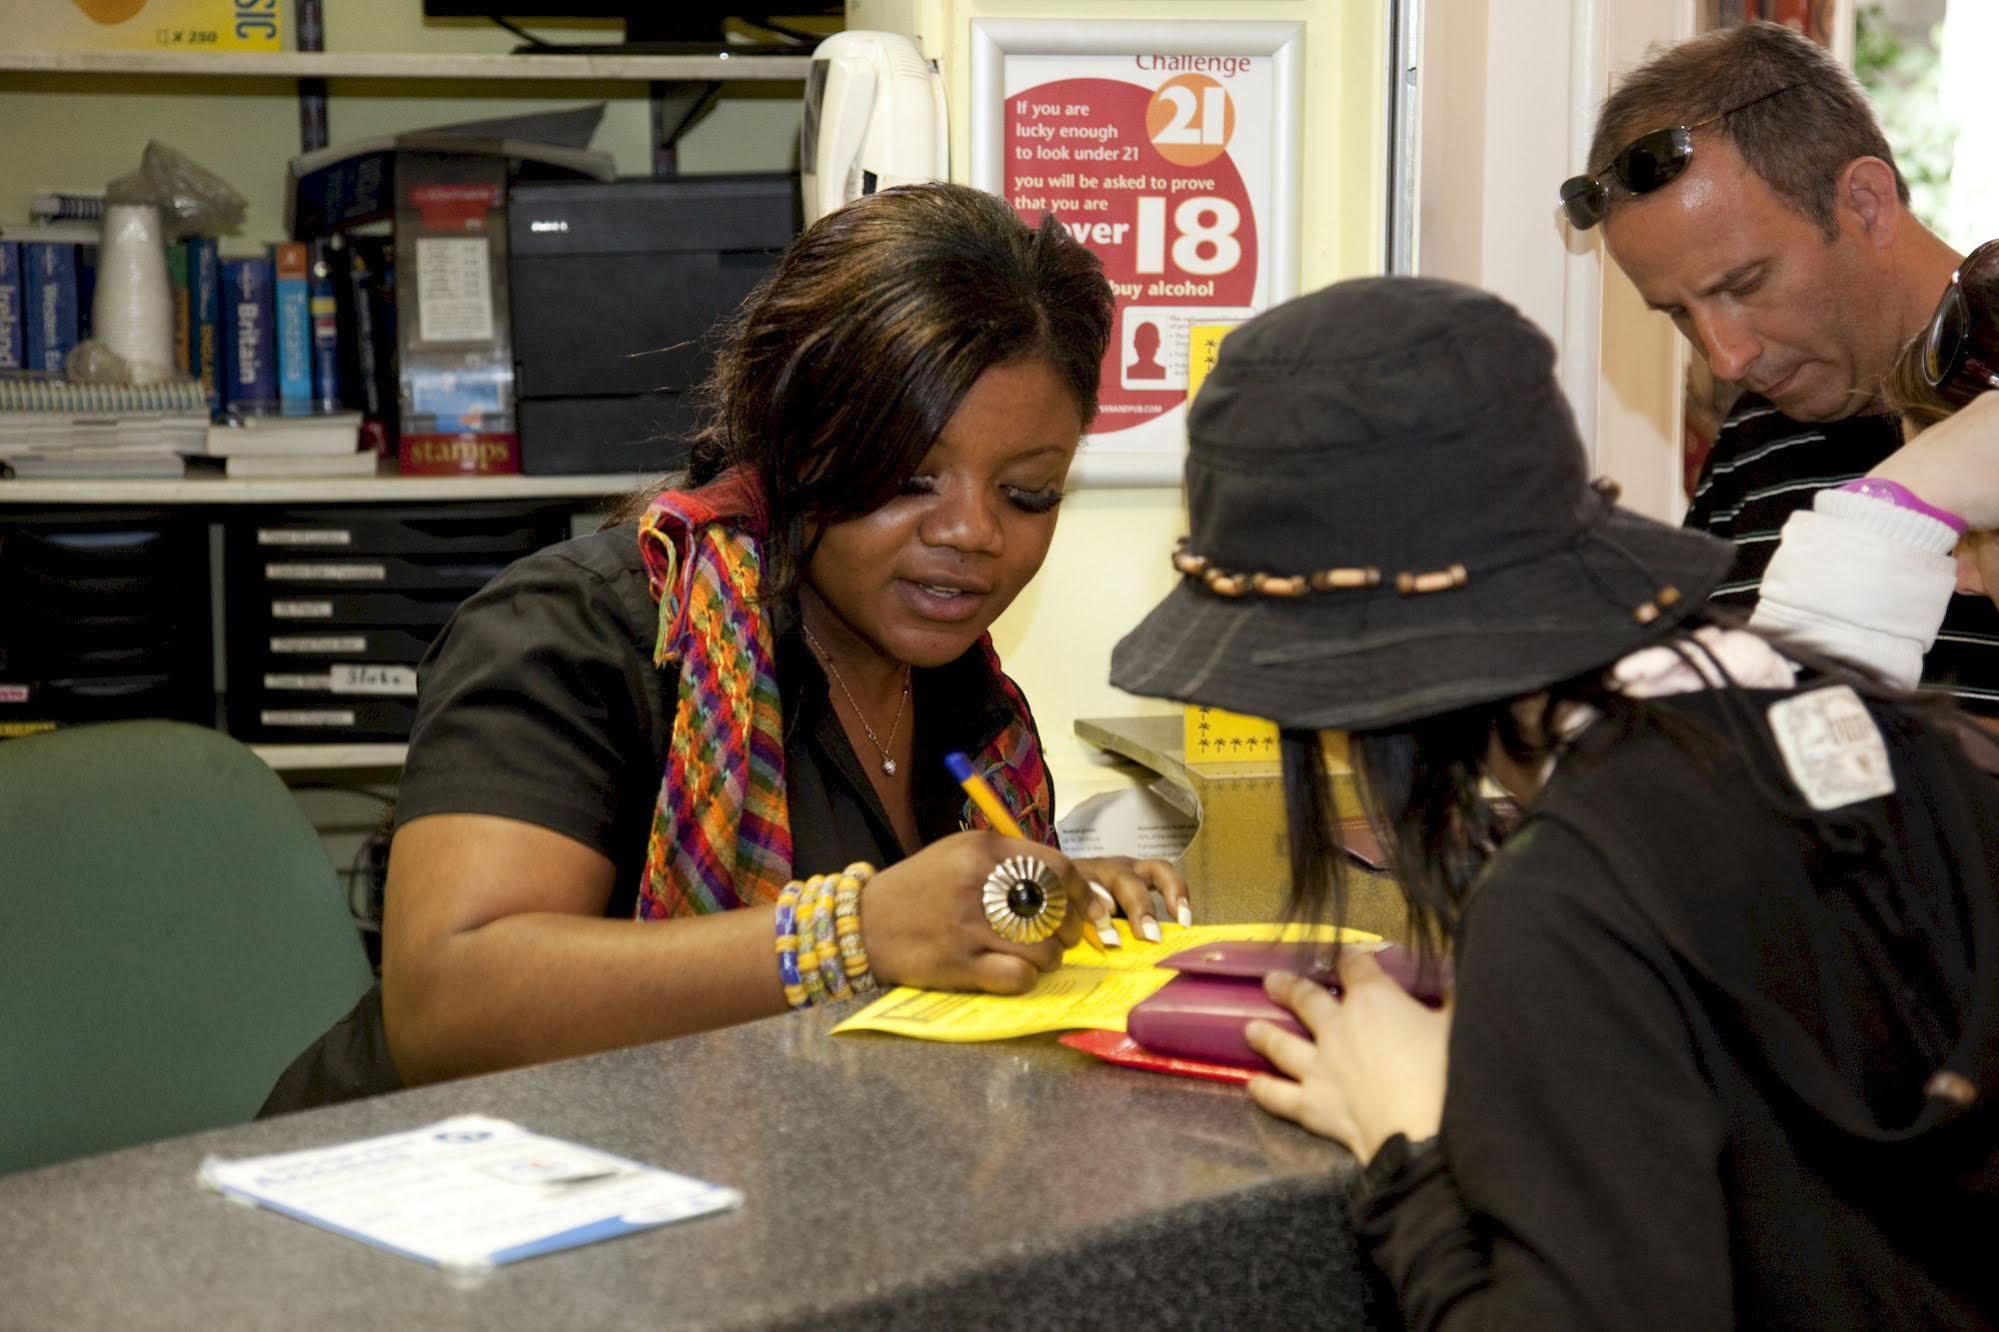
<point x="820" y="956"/>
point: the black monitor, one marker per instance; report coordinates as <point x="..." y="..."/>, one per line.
<point x="658" y="27"/>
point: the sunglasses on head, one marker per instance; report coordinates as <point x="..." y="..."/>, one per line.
<point x="1961" y="345"/>
<point x="1649" y="162"/>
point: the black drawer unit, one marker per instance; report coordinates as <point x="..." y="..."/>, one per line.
<point x="104" y="616"/>
<point x="328" y="610"/>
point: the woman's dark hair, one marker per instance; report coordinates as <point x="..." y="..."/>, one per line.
<point x="840" y="371"/>
<point x="1420" y="784"/>
<point x="1420" y="787"/>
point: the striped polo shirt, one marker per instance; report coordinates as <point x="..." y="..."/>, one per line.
<point x="1765" y="466"/>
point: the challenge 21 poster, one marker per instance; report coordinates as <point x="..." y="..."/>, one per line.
<point x="1162" y="163"/>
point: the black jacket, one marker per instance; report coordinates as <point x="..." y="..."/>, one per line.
<point x="1694" y="1064"/>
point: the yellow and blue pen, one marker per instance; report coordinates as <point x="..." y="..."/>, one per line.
<point x="982" y="795"/>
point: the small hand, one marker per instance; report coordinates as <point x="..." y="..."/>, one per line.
<point x="1375" y="1064"/>
<point x="1130" y="884"/>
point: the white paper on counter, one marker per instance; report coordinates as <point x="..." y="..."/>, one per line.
<point x="1133" y="822"/>
<point x="468" y="1193"/>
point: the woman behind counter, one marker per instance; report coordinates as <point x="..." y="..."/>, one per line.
<point x="1725" y="1037"/>
<point x="626" y="746"/>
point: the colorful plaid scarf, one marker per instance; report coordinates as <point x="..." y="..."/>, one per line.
<point x="721" y="832"/>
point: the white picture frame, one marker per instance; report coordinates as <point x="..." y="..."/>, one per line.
<point x="1157" y="457"/>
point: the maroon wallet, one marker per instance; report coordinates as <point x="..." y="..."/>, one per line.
<point x="1201" y="1013"/>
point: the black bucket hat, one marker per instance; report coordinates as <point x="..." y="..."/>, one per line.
<point x="1392" y="518"/>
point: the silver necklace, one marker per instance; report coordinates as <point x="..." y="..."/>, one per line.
<point x="888" y="764"/>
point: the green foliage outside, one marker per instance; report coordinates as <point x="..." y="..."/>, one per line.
<point x="1901" y="76"/>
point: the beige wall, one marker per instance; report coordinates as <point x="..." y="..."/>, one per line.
<point x="1509" y="94"/>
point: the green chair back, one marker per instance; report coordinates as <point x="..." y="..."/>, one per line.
<point x="171" y="935"/>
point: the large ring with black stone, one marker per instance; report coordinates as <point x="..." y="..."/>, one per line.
<point x="1024" y="900"/>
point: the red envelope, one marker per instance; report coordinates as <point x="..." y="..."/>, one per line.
<point x="1114" y="1047"/>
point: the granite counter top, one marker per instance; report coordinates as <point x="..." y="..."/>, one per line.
<point x="889" y="1183"/>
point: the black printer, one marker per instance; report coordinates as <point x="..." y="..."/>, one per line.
<point x="615" y="287"/>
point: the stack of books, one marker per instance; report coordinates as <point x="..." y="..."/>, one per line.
<point x="328" y="444"/>
<point x="50" y="427"/>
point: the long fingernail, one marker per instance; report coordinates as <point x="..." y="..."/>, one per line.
<point x="1108" y="933"/>
<point x="1186" y="914"/>
<point x="1150" y="929"/>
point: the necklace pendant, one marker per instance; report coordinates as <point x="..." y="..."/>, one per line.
<point x="888" y="766"/>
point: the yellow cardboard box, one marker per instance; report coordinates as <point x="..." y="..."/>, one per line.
<point x="145" y="25"/>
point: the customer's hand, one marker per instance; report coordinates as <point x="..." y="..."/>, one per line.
<point x="1375" y="1064"/>
<point x="924" y="924"/>
<point x="1955" y="464"/>
<point x="1131" y="884"/>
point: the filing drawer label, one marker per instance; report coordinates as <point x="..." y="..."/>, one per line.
<point x="306" y="717"/>
<point x="398" y="681"/>
<point x="312" y="645"/>
<point x="323" y="683"/>
<point x="326" y="573"/>
<point x="304" y="536"/>
<point x="301" y="610"/>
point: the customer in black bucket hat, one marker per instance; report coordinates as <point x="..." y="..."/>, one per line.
<point x="1724" y="1046"/>
<point x="1376" y="439"/>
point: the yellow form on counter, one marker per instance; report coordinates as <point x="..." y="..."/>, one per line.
<point x="1091" y="990"/>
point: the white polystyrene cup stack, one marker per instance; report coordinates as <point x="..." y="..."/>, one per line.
<point x="133" y="313"/>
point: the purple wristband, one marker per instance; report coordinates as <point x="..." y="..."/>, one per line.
<point x="1899" y="495"/>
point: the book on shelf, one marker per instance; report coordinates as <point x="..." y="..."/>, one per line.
<point x="44" y="416"/>
<point x="324" y="307"/>
<point x="249" y="342"/>
<point x="24" y="434"/>
<point x="28" y="392"/>
<point x="204" y="313"/>
<point x="322" y="435"/>
<point x="365" y="295"/>
<point x="292" y="327"/>
<point x="93" y="465"/>
<point x="148" y="25"/>
<point x="49" y="301"/>
<point x="12" y="353"/>
<point x="62" y="233"/>
<point x="252" y="465"/>
<point x="183" y="322"/>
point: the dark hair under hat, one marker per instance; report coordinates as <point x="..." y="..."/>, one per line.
<point x="1391" y="518"/>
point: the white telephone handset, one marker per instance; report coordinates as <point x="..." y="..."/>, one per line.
<point x="874" y="117"/>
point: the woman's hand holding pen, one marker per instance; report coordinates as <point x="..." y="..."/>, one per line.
<point x="924" y="925"/>
<point x="1115" y="881"/>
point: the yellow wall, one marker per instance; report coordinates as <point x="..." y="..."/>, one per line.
<point x="1109" y="562"/>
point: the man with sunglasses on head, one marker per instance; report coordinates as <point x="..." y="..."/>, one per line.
<point x="1744" y="187"/>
